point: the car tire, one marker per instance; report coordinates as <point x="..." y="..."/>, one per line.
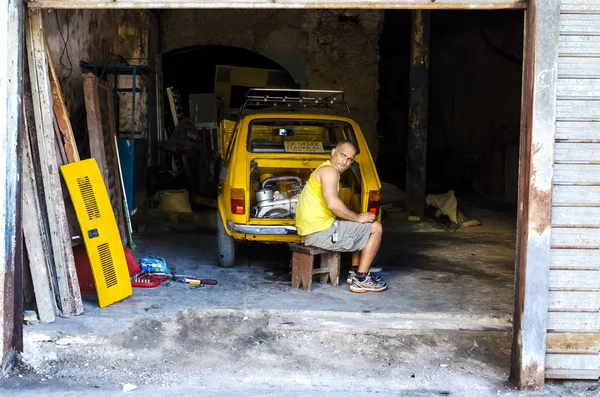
<point x="225" y="245"/>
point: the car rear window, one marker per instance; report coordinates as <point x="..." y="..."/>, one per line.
<point x="298" y="136"/>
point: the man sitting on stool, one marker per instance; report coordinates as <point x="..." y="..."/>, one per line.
<point x="325" y="222"/>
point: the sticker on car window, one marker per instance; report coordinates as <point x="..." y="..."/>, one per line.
<point x="303" y="147"/>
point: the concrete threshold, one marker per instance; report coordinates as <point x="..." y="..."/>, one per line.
<point x="285" y="320"/>
<point x="383" y="323"/>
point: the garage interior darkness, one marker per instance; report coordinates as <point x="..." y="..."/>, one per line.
<point x="472" y="145"/>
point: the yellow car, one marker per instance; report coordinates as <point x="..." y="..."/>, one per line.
<point x="280" y="137"/>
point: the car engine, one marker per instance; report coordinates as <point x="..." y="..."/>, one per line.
<point x="274" y="204"/>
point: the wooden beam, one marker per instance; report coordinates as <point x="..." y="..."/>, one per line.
<point x="283" y="4"/>
<point x="11" y="32"/>
<point x="538" y="115"/>
<point x="102" y="129"/>
<point x="418" y="98"/>
<point x="61" y="114"/>
<point x="36" y="239"/>
<point x="68" y="287"/>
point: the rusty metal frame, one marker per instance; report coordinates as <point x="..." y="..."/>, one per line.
<point x="283" y="4"/>
<point x="11" y="62"/>
<point x="536" y="165"/>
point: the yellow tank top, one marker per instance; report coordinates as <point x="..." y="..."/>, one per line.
<point x="312" y="213"/>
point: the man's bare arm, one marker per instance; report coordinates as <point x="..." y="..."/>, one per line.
<point x="330" y="179"/>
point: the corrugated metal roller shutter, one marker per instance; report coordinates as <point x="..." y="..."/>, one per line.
<point x="573" y="347"/>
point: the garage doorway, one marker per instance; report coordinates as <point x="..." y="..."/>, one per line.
<point x="153" y="241"/>
<point x="434" y="269"/>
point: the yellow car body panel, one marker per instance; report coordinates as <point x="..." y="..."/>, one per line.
<point x="237" y="161"/>
<point x="100" y="232"/>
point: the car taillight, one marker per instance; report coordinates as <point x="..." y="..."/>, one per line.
<point x="374" y="202"/>
<point x="238" y="201"/>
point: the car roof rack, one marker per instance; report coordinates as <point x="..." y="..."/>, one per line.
<point x="298" y="99"/>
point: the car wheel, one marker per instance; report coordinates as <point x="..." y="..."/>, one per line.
<point x="225" y="245"/>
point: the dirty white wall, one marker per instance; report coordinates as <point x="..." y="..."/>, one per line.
<point x="74" y="36"/>
<point x="95" y="36"/>
<point x="321" y="49"/>
<point x="133" y="47"/>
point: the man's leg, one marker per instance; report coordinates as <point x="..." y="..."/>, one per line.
<point x="355" y="258"/>
<point x="368" y="253"/>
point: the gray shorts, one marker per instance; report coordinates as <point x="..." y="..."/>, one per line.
<point x="351" y="236"/>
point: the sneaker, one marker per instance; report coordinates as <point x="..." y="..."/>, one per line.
<point x="367" y="285"/>
<point x="352" y="274"/>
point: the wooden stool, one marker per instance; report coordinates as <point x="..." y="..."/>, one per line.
<point x="303" y="257"/>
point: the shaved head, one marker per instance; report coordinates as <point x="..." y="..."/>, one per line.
<point x="341" y="143"/>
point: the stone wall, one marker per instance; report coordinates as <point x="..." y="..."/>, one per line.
<point x="321" y="49"/>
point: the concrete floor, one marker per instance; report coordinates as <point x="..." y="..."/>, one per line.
<point x="443" y="327"/>
<point x="437" y="280"/>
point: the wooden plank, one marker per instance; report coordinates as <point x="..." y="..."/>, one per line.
<point x="94" y="122"/>
<point x="574" y="300"/>
<point x="34" y="232"/>
<point x="574" y="361"/>
<point x="576" y="216"/>
<point x="571" y="195"/>
<point x="578" y="67"/>
<point x="580" y="24"/>
<point x="573" y="322"/>
<point x="575" y="259"/>
<point x="573" y="366"/>
<point x="579" y="45"/>
<point x="588" y="131"/>
<point x="61" y="114"/>
<point x="282" y="4"/>
<point x="575" y="237"/>
<point x="538" y="115"/>
<point x="70" y="296"/>
<point x="578" y="374"/>
<point x="573" y="280"/>
<point x="573" y="341"/>
<point x="28" y="293"/>
<point x="37" y="175"/>
<point x="572" y="152"/>
<point x="578" y="89"/>
<point x="577" y="110"/>
<point x="60" y="149"/>
<point x="101" y="130"/>
<point x="577" y="174"/>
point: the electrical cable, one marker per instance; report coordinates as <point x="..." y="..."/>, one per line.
<point x="65" y="51"/>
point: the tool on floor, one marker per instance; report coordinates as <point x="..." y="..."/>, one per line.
<point x="125" y="205"/>
<point x="194" y="280"/>
<point x="146" y="279"/>
<point x="182" y="277"/>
